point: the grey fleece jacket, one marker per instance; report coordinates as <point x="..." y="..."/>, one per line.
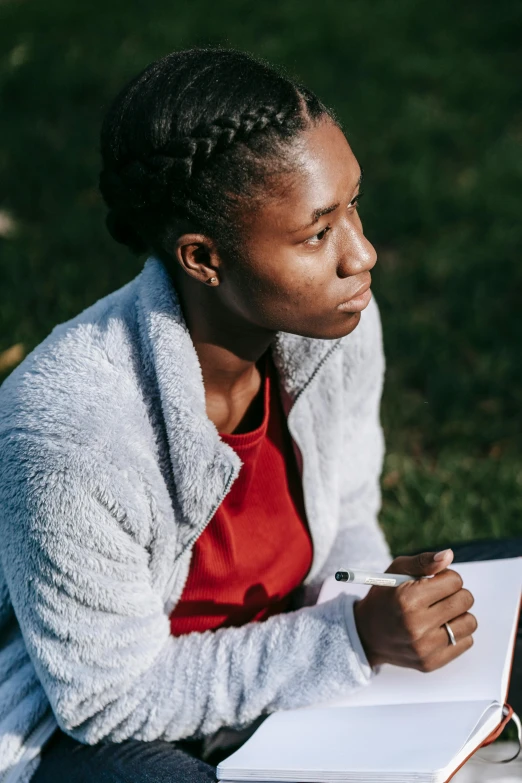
<point x="109" y="471"/>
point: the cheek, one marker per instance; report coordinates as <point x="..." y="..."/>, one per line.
<point x="283" y="287"/>
<point x="316" y="279"/>
<point x="255" y="289"/>
<point x="297" y="295"/>
<point x="306" y="293"/>
<point x="299" y="281"/>
<point x="269" y="273"/>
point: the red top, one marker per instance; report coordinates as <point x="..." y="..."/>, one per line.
<point x="257" y="548"/>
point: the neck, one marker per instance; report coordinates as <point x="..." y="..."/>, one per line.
<point x="228" y="348"/>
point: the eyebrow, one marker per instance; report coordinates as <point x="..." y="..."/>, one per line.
<point x="318" y="213"/>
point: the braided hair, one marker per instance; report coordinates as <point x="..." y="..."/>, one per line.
<point x="192" y="136"/>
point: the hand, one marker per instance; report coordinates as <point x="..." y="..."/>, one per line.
<point x="405" y="625"/>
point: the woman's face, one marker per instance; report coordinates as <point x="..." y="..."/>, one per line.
<point x="306" y="266"/>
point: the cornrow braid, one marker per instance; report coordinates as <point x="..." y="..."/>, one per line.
<point x="210" y="138"/>
<point x="190" y="136"/>
<point x="147" y="179"/>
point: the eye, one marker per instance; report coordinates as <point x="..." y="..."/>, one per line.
<point x="355" y="201"/>
<point x="318" y="238"/>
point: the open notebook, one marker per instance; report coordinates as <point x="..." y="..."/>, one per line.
<point x="405" y="725"/>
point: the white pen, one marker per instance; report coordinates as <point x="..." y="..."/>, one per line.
<point x="368" y="578"/>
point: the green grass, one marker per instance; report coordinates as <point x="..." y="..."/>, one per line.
<point x="430" y="97"/>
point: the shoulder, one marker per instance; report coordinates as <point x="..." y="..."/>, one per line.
<point x="78" y="384"/>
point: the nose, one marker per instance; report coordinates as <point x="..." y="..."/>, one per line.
<point x="356" y="252"/>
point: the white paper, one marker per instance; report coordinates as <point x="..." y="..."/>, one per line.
<point x="482" y="672"/>
<point x="421" y="739"/>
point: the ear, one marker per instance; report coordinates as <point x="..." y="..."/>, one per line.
<point x="198" y="257"/>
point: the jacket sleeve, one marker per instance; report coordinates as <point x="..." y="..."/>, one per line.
<point x="95" y="627"/>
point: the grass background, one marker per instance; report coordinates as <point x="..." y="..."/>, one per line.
<point x="430" y="96"/>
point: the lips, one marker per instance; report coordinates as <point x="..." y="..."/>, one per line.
<point x="362" y="290"/>
<point x="359" y="300"/>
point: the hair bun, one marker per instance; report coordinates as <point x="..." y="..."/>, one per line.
<point x="124" y="233"/>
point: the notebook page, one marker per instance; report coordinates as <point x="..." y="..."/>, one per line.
<point x="488" y="723"/>
<point x="480" y="673"/>
<point x="318" y="744"/>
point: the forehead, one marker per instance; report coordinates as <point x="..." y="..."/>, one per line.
<point x="326" y="172"/>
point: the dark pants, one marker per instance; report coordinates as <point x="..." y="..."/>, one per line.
<point x="66" y="760"/>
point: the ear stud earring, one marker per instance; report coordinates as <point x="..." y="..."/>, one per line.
<point x="212" y="280"/>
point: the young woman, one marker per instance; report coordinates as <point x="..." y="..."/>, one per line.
<point x="184" y="463"/>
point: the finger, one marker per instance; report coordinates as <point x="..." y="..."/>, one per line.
<point x="423" y="564"/>
<point x="424" y="593"/>
<point x="464" y="625"/>
<point x="437" y="639"/>
<point x="454" y="605"/>
<point x="445" y="655"/>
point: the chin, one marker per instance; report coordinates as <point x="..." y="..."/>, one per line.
<point x="342" y="326"/>
<point x="351" y="320"/>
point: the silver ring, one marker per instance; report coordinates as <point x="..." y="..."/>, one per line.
<point x="450" y="633"/>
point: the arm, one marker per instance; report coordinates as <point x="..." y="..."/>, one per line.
<point x="95" y="627"/>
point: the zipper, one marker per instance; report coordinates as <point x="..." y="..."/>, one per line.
<point x="297" y="445"/>
<point x="307" y="384"/>
<point x="214" y="509"/>
<point x="190" y="543"/>
<point x="321" y="363"/>
<point x="31" y="748"/>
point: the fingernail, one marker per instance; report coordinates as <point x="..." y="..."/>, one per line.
<point x="441" y="555"/>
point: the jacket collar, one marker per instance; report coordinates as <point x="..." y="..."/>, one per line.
<point x="203" y="466"/>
